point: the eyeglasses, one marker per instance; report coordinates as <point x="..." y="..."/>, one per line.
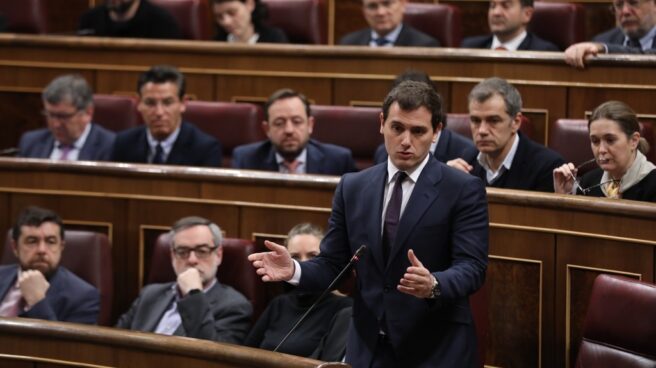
<point x="588" y="189"/>
<point x="59" y="116"/>
<point x="201" y="252"/>
<point x="619" y="5"/>
<point x="385" y="4"/>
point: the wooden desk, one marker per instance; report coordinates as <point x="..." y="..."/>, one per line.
<point x="327" y="74"/>
<point x="33" y="343"/>
<point x="545" y="249"/>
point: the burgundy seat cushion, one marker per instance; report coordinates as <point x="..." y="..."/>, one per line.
<point x="441" y="21"/>
<point x="562" y="23"/>
<point x="25" y="16"/>
<point x="115" y="112"/>
<point x="303" y="21"/>
<point x="192" y="16"/>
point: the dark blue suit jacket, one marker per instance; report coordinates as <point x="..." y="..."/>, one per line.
<point x="530" y="43"/>
<point x="68" y="299"/>
<point x="408" y="36"/>
<point x="445" y="222"/>
<point x="450" y="146"/>
<point x="322" y="158"/>
<point x="531" y="169"/>
<point x="193" y="147"/>
<point x="40" y="143"/>
<point x="614" y="40"/>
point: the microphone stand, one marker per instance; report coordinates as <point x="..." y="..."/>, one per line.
<point x="355" y="258"/>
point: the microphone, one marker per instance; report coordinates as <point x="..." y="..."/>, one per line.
<point x="355" y="258"/>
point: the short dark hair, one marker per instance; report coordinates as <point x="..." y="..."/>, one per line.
<point x="526" y="3"/>
<point x="497" y="86"/>
<point x="411" y="95"/>
<point x="162" y="74"/>
<point x="304" y="228"/>
<point x="419" y="76"/>
<point x="259" y="14"/>
<point x="191" y="221"/>
<point x="624" y="116"/>
<point x="35" y="216"/>
<point x="71" y="88"/>
<point x="283" y="94"/>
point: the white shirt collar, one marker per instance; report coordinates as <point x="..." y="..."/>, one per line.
<point x="511" y="45"/>
<point x="167" y="144"/>
<point x="491" y="176"/>
<point x="251" y="41"/>
<point x="301" y="158"/>
<point x="413" y="174"/>
<point x="646" y="42"/>
<point x="74" y="152"/>
<point x="391" y="37"/>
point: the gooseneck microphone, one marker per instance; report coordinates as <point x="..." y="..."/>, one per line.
<point x="355" y="258"/>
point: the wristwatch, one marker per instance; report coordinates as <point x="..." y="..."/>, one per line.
<point x="435" y="291"/>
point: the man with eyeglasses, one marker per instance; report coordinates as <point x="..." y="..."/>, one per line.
<point x="386" y="27"/>
<point x="165" y="138"/>
<point x="38" y="287"/>
<point x="196" y="304"/>
<point x="636" y="20"/>
<point x="70" y="134"/>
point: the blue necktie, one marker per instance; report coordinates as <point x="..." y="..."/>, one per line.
<point x="634" y="42"/>
<point x="392" y="215"/>
<point x="382" y="41"/>
<point x="158" y="158"/>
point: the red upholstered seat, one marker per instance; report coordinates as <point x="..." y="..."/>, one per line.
<point x="303" y="21"/>
<point x="88" y="255"/>
<point x="192" y="16"/>
<point x="114" y="112"/>
<point x="571" y="139"/>
<point x="235" y="269"/>
<point x="357" y="128"/>
<point x="25" y="16"/>
<point x="620" y="324"/>
<point x="562" y="23"/>
<point x="231" y="123"/>
<point x="441" y="21"/>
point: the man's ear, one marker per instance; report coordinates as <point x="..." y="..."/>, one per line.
<point x="310" y="124"/>
<point x="14" y="247"/>
<point x="382" y="122"/>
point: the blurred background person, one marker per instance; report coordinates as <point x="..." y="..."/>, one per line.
<point x="284" y="311"/>
<point x="619" y="150"/>
<point x="242" y="21"/>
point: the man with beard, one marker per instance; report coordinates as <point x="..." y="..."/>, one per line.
<point x="288" y="124"/>
<point x="508" y="20"/>
<point x="38" y="287"/>
<point x="129" y="18"/>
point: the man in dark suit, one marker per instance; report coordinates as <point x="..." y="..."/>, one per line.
<point x="503" y="157"/>
<point x="508" y="20"/>
<point x="165" y="138"/>
<point x="38" y="287"/>
<point x="636" y="20"/>
<point x="288" y="124"/>
<point x="386" y="28"/>
<point x="70" y="135"/>
<point x="426" y="229"/>
<point x="197" y="304"/>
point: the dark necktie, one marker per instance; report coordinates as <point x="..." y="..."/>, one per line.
<point x="392" y="215"/>
<point x="381" y="41"/>
<point x="634" y="42"/>
<point x="158" y="158"/>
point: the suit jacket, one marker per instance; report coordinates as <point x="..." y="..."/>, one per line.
<point x="221" y="314"/>
<point x="322" y="158"/>
<point x="613" y="36"/>
<point x="193" y="147"/>
<point x="445" y="222"/>
<point x="450" y="146"/>
<point x="530" y="43"/>
<point x="531" y="168"/>
<point x="68" y="299"/>
<point x="409" y="36"/>
<point x="644" y="190"/>
<point x="40" y="143"/>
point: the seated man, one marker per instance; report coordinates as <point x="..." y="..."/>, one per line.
<point x="448" y="145"/>
<point x="288" y="124"/>
<point x="165" y="138"/>
<point x="285" y="310"/>
<point x="504" y="158"/>
<point x="386" y="28"/>
<point x="38" y="287"/>
<point x="634" y="34"/>
<point x="68" y="108"/>
<point x="128" y="18"/>
<point x="197" y="304"/>
<point x="508" y="20"/>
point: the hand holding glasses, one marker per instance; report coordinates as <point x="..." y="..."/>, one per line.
<point x="567" y="172"/>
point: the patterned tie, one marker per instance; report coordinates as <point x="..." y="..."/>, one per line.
<point x="158" y="158"/>
<point x="613" y="190"/>
<point x="65" y="150"/>
<point x="634" y="42"/>
<point x="392" y="215"/>
<point x="381" y="41"/>
<point x="291" y="166"/>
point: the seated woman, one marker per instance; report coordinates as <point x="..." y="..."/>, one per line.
<point x="618" y="149"/>
<point x="241" y="21"/>
<point x="284" y="311"/>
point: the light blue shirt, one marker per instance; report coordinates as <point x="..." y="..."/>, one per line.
<point x="167" y="144"/>
<point x="490" y="175"/>
<point x="390" y="37"/>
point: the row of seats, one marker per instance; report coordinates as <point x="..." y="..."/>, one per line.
<point x="357" y="128"/>
<point x="304" y="21"/>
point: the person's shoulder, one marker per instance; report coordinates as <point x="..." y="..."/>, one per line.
<point x="252" y="148"/>
<point x="198" y="135"/>
<point x="8" y="268"/>
<point x="35" y="135"/>
<point x="477" y="42"/>
<point x="329" y="148"/>
<point x="540" y="151"/>
<point x="539" y="44"/>
<point x="612" y="36"/>
<point x="131" y="133"/>
<point x="226" y="294"/>
<point x="73" y="281"/>
<point x="271" y="35"/>
<point x="359" y="37"/>
<point x="411" y="36"/>
<point x="93" y="14"/>
<point x="102" y="131"/>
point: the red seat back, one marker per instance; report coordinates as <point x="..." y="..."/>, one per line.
<point x="192" y="16"/>
<point x="562" y="23"/>
<point x="115" y="112"/>
<point x="303" y="21"/>
<point x="441" y="21"/>
<point x="25" y="16"/>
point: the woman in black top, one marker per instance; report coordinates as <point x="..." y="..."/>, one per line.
<point x="241" y="21"/>
<point x="618" y="149"/>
